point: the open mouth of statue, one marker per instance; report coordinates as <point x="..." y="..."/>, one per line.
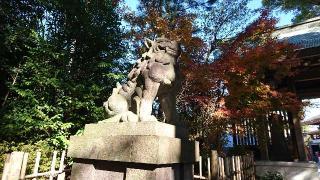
<point x="171" y="51"/>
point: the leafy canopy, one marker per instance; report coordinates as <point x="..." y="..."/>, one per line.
<point x="59" y="61"/>
<point x="303" y="9"/>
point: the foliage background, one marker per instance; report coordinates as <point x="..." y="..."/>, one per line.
<point x="60" y="59"/>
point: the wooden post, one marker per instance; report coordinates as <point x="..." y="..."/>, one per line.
<point x="6" y="167"/>
<point x="209" y="170"/>
<point x="222" y="168"/>
<point x="244" y="166"/>
<point x="234" y="171"/>
<point x="263" y="137"/>
<point x="240" y="167"/>
<point x="214" y="165"/>
<point x="219" y="169"/>
<point x="227" y="165"/>
<point x="200" y="166"/>
<point x="253" y="172"/>
<point x="299" y="138"/>
<point x="36" y="164"/>
<point x="236" y="167"/>
<point x="279" y="149"/>
<point x="53" y="164"/>
<point x="24" y="165"/>
<point x="248" y="166"/>
<point x="12" y="167"/>
<point x="62" y="166"/>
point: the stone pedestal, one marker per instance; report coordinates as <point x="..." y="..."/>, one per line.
<point x="133" y="151"/>
<point x="289" y="170"/>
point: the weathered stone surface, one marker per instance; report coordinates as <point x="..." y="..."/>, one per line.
<point x="135" y="128"/>
<point x="155" y="74"/>
<point x="139" y="149"/>
<point x="133" y="150"/>
<point x="96" y="170"/>
<point x="103" y="170"/>
<point x="157" y="174"/>
<point x="133" y="174"/>
<point x="83" y="171"/>
<point x="138" y="142"/>
<point x="289" y="170"/>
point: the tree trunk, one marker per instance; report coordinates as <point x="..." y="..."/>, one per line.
<point x="263" y="137"/>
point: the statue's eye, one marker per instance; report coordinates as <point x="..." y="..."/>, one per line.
<point x="147" y="57"/>
<point x="161" y="48"/>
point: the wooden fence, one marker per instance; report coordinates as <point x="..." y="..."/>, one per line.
<point x="16" y="165"/>
<point x="220" y="168"/>
<point x="227" y="168"/>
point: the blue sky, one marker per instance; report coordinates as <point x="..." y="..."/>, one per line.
<point x="284" y="17"/>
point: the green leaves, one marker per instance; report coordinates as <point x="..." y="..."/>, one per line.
<point x="303" y="9"/>
<point x="59" y="62"/>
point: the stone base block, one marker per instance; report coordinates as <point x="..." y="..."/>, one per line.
<point x="137" y="149"/>
<point x="135" y="128"/>
<point x="289" y="170"/>
<point x="133" y="150"/>
<point x="106" y="170"/>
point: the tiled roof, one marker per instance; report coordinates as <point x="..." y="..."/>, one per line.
<point x="315" y="132"/>
<point x="305" y="34"/>
<point x="315" y="120"/>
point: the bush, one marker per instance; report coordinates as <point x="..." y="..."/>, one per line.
<point x="272" y="176"/>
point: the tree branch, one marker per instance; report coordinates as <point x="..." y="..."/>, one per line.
<point x="15" y="77"/>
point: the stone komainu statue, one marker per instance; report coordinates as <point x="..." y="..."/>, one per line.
<point x="155" y="74"/>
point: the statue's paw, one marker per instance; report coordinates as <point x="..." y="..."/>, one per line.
<point x="129" y="117"/>
<point x="148" y="118"/>
<point x="111" y="119"/>
<point x="153" y="118"/>
<point x="167" y="81"/>
<point x="132" y="117"/>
